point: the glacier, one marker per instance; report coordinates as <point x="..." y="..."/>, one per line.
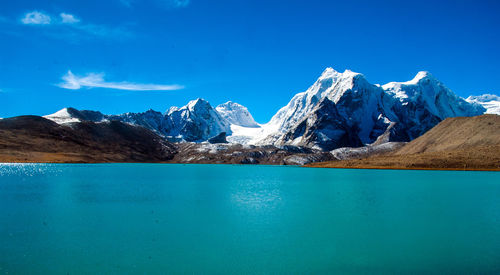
<point x="488" y="101"/>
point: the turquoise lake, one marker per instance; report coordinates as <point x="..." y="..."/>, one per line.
<point x="220" y="219"/>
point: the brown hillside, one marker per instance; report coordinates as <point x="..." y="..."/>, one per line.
<point x="457" y="133"/>
<point x="461" y="143"/>
<point x="36" y="139"/>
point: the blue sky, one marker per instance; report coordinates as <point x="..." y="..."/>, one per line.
<point x="132" y="55"/>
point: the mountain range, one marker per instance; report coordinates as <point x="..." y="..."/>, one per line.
<point x="338" y="110"/>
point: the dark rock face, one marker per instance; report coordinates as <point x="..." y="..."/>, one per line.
<point x="249" y="160"/>
<point x="86" y="115"/>
<point x="324" y="128"/>
<point x="32" y="138"/>
<point x="150" y="119"/>
<point x="196" y="122"/>
<point x="220" y="138"/>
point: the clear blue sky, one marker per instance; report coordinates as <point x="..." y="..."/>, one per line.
<point x="128" y="55"/>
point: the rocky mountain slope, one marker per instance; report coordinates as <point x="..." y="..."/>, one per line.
<point x="456" y="143"/>
<point x="36" y="139"/>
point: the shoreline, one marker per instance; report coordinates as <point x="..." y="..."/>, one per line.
<point x="311" y="165"/>
<point x="403" y="168"/>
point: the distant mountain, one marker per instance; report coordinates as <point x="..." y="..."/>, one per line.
<point x="197" y="121"/>
<point x="68" y="115"/>
<point x="236" y="114"/>
<point x="36" y="139"/>
<point x="361" y="113"/>
<point x="490" y="102"/>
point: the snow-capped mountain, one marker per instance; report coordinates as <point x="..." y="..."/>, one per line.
<point x="359" y="112"/>
<point x="197" y="121"/>
<point x="68" y="115"/>
<point x="490" y="102"/>
<point x="236" y="114"/>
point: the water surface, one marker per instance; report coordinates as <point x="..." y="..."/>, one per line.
<point x="154" y="218"/>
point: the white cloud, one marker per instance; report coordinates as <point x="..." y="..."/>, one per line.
<point x="68" y="26"/>
<point x="93" y="80"/>
<point x="67" y="18"/>
<point x="36" y="18"/>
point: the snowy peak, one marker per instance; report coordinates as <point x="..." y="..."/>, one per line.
<point x="432" y="95"/>
<point x="236" y="114"/>
<point x="331" y="85"/>
<point x="70" y="115"/>
<point x="63" y="116"/>
<point x="171" y="110"/>
<point x="330" y="73"/>
<point x="198" y="104"/>
<point x="197" y="121"/>
<point x="483" y="98"/>
<point x="421" y="78"/>
<point x="489" y="102"/>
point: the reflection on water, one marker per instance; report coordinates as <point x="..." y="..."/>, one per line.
<point x="28" y="169"/>
<point x="257" y="200"/>
<point x="256" y="194"/>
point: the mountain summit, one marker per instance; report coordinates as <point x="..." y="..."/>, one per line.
<point x="236" y="114"/>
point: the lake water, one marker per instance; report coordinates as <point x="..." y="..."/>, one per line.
<point x="154" y="218"/>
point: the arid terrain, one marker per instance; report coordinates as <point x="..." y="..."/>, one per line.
<point x="36" y="139"/>
<point x="461" y="143"/>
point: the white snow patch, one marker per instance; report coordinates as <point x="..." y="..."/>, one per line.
<point x="489" y="101"/>
<point x="62" y="117"/>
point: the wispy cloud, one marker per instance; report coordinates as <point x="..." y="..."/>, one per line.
<point x="67" y="18"/>
<point x="36" y="18"/>
<point x="67" y="25"/>
<point x="93" y="80"/>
